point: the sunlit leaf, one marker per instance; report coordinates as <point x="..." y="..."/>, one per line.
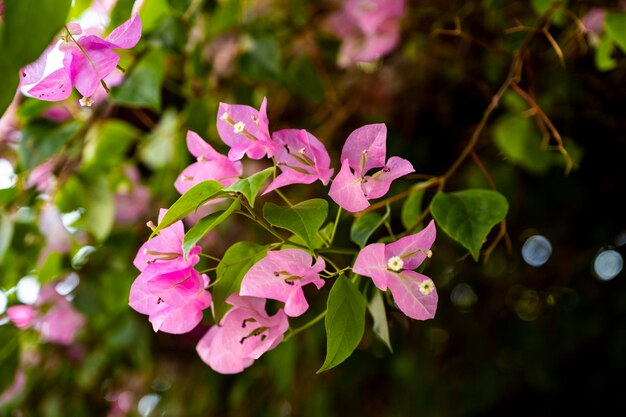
<point x="304" y="219"/>
<point x="364" y="226"/>
<point x="230" y="271"/>
<point x="205" y="225"/>
<point x="250" y="186"/>
<point x="467" y="216"/>
<point x="190" y="201"/>
<point x="519" y="140"/>
<point x="412" y="208"/>
<point x="345" y="322"/>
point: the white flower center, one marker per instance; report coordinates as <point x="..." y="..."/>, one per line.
<point x="395" y="263"/>
<point x="427" y="286"/>
<point x="239" y="127"/>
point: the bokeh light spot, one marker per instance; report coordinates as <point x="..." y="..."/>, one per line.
<point x="28" y="290"/>
<point x="608" y="264"/>
<point x="536" y="250"/>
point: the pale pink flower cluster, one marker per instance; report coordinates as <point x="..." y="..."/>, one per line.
<point x="173" y="294"/>
<point x="52" y="316"/>
<point x="369" y="29"/>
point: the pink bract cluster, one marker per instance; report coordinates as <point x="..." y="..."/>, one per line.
<point x="79" y="60"/>
<point x="369" y="29"/>
<point x="174" y="295"/>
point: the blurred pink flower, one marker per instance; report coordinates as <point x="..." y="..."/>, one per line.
<point x="21" y="315"/>
<point x="20" y="377"/>
<point x="131" y="200"/>
<point x="245" y="332"/>
<point x="42" y="177"/>
<point x="369" y="29"/>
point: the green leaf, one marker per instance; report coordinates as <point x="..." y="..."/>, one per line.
<point x="51" y="267"/>
<point x="261" y="60"/>
<point x="9" y="355"/>
<point x="9" y="80"/>
<point x="376" y="307"/>
<point x="520" y="141"/>
<point x="121" y="12"/>
<point x="615" y="26"/>
<point x="108" y="143"/>
<point x="468" y="216"/>
<point x="6" y="233"/>
<point x="42" y="139"/>
<point x="250" y="186"/>
<point x="237" y="260"/>
<point x="303" y="78"/>
<point x="190" y="201"/>
<point x="99" y="205"/>
<point x="345" y="322"/>
<point x="30" y="26"/>
<point x="604" y="54"/>
<point x="142" y="88"/>
<point x="303" y="219"/>
<point x="205" y="225"/>
<point x="412" y="208"/>
<point x="364" y="226"/>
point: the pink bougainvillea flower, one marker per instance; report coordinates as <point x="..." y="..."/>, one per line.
<point x="165" y="251"/>
<point x="366" y="149"/>
<point x="246" y="131"/>
<point x="369" y="29"/>
<point x="52" y="316"/>
<point x="281" y="276"/>
<point x="391" y="267"/>
<point x="174" y="300"/>
<point x="245" y="332"/>
<point x="302" y="158"/>
<point x="21" y="315"/>
<point x="80" y="60"/>
<point x="132" y="198"/>
<point x="209" y="165"/>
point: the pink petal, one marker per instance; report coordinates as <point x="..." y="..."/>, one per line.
<point x="127" y="34"/>
<point x="415" y="245"/>
<point x="176" y="287"/>
<point x="21" y="315"/>
<point x="346" y="190"/>
<point x="405" y="288"/>
<point x="225" y="361"/>
<point x="252" y="138"/>
<point x="377" y="185"/>
<point x="182" y="318"/>
<point x="198" y="147"/>
<point x="370" y="14"/>
<point x="371" y="139"/>
<point x="371" y="262"/>
<point x="55" y="87"/>
<point x="378" y="44"/>
<point x="86" y="73"/>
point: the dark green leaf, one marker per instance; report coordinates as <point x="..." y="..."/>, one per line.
<point x="190" y="201"/>
<point x="99" y="206"/>
<point x="376" y="307"/>
<point x="230" y="271"/>
<point x="304" y="219"/>
<point x="42" y="139"/>
<point x="108" y="142"/>
<point x="520" y="141"/>
<point x="9" y="355"/>
<point x="468" y="216"/>
<point x="30" y="26"/>
<point x="615" y="26"/>
<point x="412" y="208"/>
<point x="205" y="225"/>
<point x="261" y="60"/>
<point x="345" y="322"/>
<point x="142" y="88"/>
<point x="121" y="12"/>
<point x="250" y="186"/>
<point x="364" y="226"/>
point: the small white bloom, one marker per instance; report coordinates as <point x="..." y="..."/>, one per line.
<point x="395" y="263"/>
<point x="239" y="127"/>
<point x="86" y="101"/>
<point x="7" y="175"/>
<point x="427" y="286"/>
